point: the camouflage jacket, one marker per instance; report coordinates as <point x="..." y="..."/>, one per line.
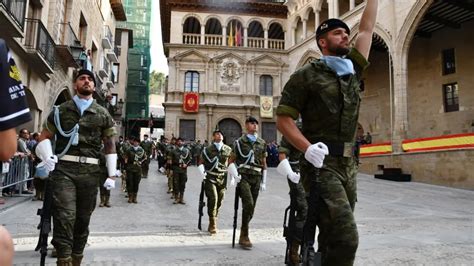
<point x="147" y="146"/>
<point x="135" y="158"/>
<point x="179" y="158"/>
<point x="328" y="104"/>
<point x="241" y="153"/>
<point x="215" y="161"/>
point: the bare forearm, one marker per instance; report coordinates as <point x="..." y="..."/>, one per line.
<point x="9" y="144"/>
<point x="288" y="128"/>
<point x="366" y="28"/>
<point x="109" y="145"/>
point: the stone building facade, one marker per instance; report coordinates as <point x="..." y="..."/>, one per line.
<point x="418" y="90"/>
<point x="51" y="39"/>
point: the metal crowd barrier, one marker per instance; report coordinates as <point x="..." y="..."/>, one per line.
<point x="19" y="172"/>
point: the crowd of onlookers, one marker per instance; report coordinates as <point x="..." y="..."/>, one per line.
<point x="20" y="168"/>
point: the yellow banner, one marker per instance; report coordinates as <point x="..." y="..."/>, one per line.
<point x="266" y="106"/>
<point x="375" y="149"/>
<point x="457" y="141"/>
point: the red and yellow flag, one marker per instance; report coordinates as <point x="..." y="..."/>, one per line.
<point x="191" y="102"/>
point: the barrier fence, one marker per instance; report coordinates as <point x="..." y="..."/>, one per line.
<point x="15" y="173"/>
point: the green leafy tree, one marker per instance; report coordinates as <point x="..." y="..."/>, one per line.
<point x="157" y="82"/>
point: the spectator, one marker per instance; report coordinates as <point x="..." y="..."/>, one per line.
<point x="368" y="138"/>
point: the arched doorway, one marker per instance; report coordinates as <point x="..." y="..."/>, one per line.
<point x="62" y="97"/>
<point x="231" y="129"/>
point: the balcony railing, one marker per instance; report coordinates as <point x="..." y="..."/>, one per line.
<point x="104" y="70"/>
<point x="212" y="39"/>
<point x="255" y="42"/>
<point x="276" y="44"/>
<point x="16" y="9"/>
<point x="68" y="37"/>
<point x="107" y="39"/>
<point x="191" y="38"/>
<point x="38" y="40"/>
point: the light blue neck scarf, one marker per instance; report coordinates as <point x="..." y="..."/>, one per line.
<point x="219" y="145"/>
<point x="82" y="104"/>
<point x="252" y="137"/>
<point x="341" y="66"/>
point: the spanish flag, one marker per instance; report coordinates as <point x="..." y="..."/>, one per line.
<point x="230" y="41"/>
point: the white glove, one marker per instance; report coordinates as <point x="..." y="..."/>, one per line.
<point x="109" y="183"/>
<point x="284" y="168"/>
<point x="263" y="185"/>
<point x="202" y="171"/>
<point x="234" y="174"/>
<point x="44" y="151"/>
<point x="111" y="162"/>
<point x="315" y="154"/>
<point x="118" y="173"/>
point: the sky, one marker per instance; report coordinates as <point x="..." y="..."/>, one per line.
<point x="158" y="58"/>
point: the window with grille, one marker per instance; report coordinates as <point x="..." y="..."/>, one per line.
<point x="449" y="62"/>
<point x="191" y="83"/>
<point x="266" y="85"/>
<point x="451" y="97"/>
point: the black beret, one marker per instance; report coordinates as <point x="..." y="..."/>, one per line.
<point x="85" y="72"/>
<point x="218" y="131"/>
<point x="330" y="24"/>
<point x="251" y="119"/>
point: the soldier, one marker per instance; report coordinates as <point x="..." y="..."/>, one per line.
<point x="148" y="146"/>
<point x="289" y="158"/>
<point x="135" y="156"/>
<point x="327" y="95"/>
<point x="180" y="158"/>
<point x="213" y="168"/>
<point x="124" y="147"/>
<point x="104" y="192"/>
<point x="169" y="170"/>
<point x="197" y="149"/>
<point x="249" y="156"/>
<point x="80" y="126"/>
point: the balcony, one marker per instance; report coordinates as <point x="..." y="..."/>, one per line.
<point x="276" y="44"/>
<point x="213" y="39"/>
<point x="107" y="38"/>
<point x="110" y="85"/>
<point x="255" y="42"/>
<point x="69" y="47"/>
<point x="112" y="56"/>
<point x="104" y="68"/>
<point x="39" y="45"/>
<point x="191" y="38"/>
<point x="12" y="17"/>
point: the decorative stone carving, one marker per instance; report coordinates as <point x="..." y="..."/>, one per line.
<point x="230" y="75"/>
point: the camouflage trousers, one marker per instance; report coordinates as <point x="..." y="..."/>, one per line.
<point x="74" y="199"/>
<point x="215" y="192"/>
<point x="330" y="207"/>
<point x="179" y="181"/>
<point x="249" y="188"/>
<point x="133" y="181"/>
<point x="299" y="204"/>
<point x="145" y="167"/>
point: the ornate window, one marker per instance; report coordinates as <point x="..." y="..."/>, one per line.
<point x="451" y="97"/>
<point x="266" y="85"/>
<point x="191" y="81"/>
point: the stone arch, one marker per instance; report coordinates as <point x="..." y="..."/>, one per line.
<point x="259" y="20"/>
<point x="212" y="16"/>
<point x="190" y="15"/>
<point x="381" y="32"/>
<point x="229" y="19"/>
<point x="64" y="94"/>
<point x="231" y="127"/>
<point x="276" y="21"/>
<point x="306" y="12"/>
<point x="306" y="56"/>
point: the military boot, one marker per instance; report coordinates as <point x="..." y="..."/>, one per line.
<point x="212" y="225"/>
<point x="181" y="199"/>
<point x="176" y="198"/>
<point x="294" y="253"/>
<point x="64" y="261"/>
<point x="102" y="201"/>
<point x="135" y="198"/>
<point x="107" y="203"/>
<point x="244" y="240"/>
<point x="130" y="197"/>
<point x="76" y="259"/>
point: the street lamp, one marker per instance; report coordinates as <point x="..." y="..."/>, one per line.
<point x="78" y="54"/>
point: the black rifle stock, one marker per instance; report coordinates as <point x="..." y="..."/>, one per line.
<point x="236" y="211"/>
<point x="201" y="205"/>
<point x="45" y="222"/>
<point x="309" y="256"/>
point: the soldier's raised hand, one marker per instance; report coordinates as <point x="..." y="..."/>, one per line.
<point x="315" y="154"/>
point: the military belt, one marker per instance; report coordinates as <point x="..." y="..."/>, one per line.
<point x="215" y="174"/>
<point x="79" y="159"/>
<point x="342" y="149"/>
<point x="258" y="169"/>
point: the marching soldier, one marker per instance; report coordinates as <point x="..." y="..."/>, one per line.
<point x="213" y="168"/>
<point x="80" y="126"/>
<point x="148" y="146"/>
<point x="169" y="170"/>
<point x="135" y="156"/>
<point x="180" y="158"/>
<point x="249" y="157"/>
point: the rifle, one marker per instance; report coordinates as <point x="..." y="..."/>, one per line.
<point x="289" y="231"/>
<point x="308" y="254"/>
<point x="45" y="222"/>
<point x="201" y="205"/>
<point x="236" y="211"/>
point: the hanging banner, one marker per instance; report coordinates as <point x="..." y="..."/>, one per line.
<point x="266" y="106"/>
<point x="191" y="102"/>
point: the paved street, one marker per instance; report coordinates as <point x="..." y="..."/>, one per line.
<point x="399" y="224"/>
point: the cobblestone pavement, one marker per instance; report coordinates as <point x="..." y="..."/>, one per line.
<point x="399" y="224"/>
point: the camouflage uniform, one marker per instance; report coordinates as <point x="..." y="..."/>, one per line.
<point x="216" y="176"/>
<point x="329" y="107"/>
<point x="104" y="193"/>
<point x="75" y="184"/>
<point x="297" y="192"/>
<point x="134" y="160"/>
<point x="180" y="157"/>
<point x="169" y="171"/>
<point x="148" y="146"/>
<point x="251" y="174"/>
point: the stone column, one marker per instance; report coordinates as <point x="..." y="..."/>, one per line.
<point x="246" y="37"/>
<point x="316" y="19"/>
<point x="330" y="9"/>
<point x="203" y="33"/>
<point x="265" y="35"/>
<point x="209" y="121"/>
<point x="336" y="8"/>
<point x="304" y="28"/>
<point x="224" y="36"/>
<point x="351" y="4"/>
<point x="293" y="36"/>
<point x="400" y="103"/>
